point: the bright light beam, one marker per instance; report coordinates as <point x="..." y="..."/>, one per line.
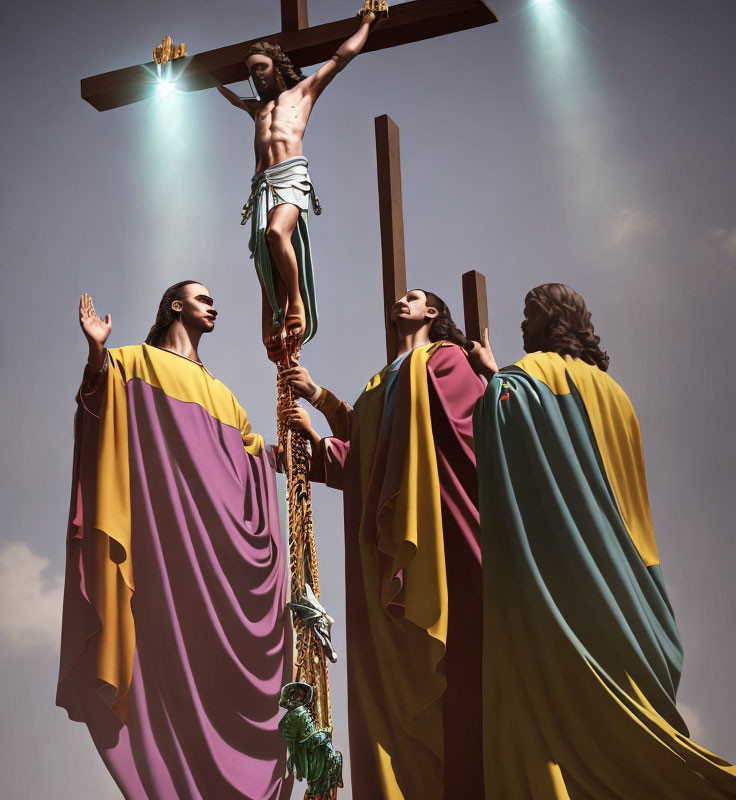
<point x="165" y="88"/>
<point x="171" y="179"/>
<point x="574" y="98"/>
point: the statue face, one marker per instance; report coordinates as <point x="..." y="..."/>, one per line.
<point x="196" y="308"/>
<point x="265" y="75"/>
<point x="533" y="326"/>
<point x="294" y="695"/>
<point x="412" y="307"/>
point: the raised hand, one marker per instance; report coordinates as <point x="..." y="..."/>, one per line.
<point x="481" y="357"/>
<point x="301" y="384"/>
<point x="95" y="329"/>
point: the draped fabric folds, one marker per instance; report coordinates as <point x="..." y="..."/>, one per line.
<point x="413" y="589"/>
<point x="175" y="638"/>
<point x="286" y="182"/>
<point x="581" y="654"/>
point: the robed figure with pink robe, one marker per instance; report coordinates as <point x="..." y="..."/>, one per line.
<point x="175" y="638"/>
<point x="404" y="459"/>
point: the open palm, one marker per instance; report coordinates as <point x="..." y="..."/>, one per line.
<point x="95" y="329"/>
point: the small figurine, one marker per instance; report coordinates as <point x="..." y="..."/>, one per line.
<point x="311" y="752"/>
<point x="167" y="52"/>
<point x="281" y="190"/>
<point x="377" y="7"/>
<point x="310" y="613"/>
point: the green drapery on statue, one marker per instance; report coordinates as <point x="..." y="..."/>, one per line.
<point x="582" y="656"/>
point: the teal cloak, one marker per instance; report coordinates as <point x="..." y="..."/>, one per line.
<point x="581" y="656"/>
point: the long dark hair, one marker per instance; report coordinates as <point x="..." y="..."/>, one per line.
<point x="444" y="328"/>
<point x="283" y="64"/>
<point x="166" y="315"/>
<point x="568" y="330"/>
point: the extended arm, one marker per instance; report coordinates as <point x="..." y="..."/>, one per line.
<point x="315" y="84"/>
<point x="337" y="413"/>
<point x="95" y="331"/>
<point x="328" y="455"/>
<point x="249" y="106"/>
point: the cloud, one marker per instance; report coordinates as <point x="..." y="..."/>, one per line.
<point x="30" y="599"/>
<point x="692" y="720"/>
<point x="726" y="240"/>
<point x="630" y="224"/>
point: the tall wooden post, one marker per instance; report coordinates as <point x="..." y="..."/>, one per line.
<point x="392" y="221"/>
<point x="294" y="15"/>
<point x="475" y="303"/>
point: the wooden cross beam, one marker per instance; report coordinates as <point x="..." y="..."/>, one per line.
<point x="391" y="214"/>
<point x="475" y="303"/>
<point x="408" y="22"/>
<point x="294" y="15"/>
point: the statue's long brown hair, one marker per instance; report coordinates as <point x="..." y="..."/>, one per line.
<point x="166" y="314"/>
<point x="443" y="327"/>
<point x="283" y="64"/>
<point x="568" y="330"/>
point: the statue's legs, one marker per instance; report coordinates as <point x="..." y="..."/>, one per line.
<point x="282" y="221"/>
<point x="272" y="333"/>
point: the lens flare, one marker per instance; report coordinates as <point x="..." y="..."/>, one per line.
<point x="171" y="178"/>
<point x="165" y="89"/>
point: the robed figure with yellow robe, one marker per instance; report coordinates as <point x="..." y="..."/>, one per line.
<point x="403" y="457"/>
<point x="581" y="653"/>
<point x="175" y="635"/>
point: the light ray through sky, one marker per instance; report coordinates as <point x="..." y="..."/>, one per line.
<point x="573" y="97"/>
<point x="173" y="183"/>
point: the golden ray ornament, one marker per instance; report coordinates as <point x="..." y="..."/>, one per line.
<point x="167" y="52"/>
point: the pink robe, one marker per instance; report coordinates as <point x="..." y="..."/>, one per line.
<point x="175" y="639"/>
<point x="390" y="755"/>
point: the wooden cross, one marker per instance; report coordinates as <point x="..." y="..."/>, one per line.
<point x="390" y="209"/>
<point x="408" y="22"/>
<point x="475" y="303"/>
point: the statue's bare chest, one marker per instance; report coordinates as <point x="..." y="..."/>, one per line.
<point x="280" y="114"/>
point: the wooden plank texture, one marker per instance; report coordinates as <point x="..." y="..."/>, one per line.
<point x="391" y="213"/>
<point x="408" y="22"/>
<point x="475" y="303"/>
<point x="294" y="15"/>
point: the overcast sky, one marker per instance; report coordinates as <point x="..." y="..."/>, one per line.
<point x="583" y="141"/>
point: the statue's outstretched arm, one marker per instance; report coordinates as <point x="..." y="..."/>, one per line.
<point x="315" y="84"/>
<point x="249" y="106"/>
<point x="95" y="330"/>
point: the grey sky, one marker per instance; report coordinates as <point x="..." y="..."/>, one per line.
<point x="584" y="142"/>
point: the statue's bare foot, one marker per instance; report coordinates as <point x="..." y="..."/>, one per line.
<point x="295" y="326"/>
<point x="275" y="347"/>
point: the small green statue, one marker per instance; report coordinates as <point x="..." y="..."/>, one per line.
<point x="311" y="752"/>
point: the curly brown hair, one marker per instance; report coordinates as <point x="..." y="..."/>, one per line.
<point x="568" y="330"/>
<point x="444" y="328"/>
<point x="290" y="74"/>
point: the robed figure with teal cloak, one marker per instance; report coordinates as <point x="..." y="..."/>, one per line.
<point x="581" y="653"/>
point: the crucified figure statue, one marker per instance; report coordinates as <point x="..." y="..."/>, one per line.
<point x="281" y="187"/>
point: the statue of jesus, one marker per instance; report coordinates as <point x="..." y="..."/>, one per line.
<point x="281" y="187"/>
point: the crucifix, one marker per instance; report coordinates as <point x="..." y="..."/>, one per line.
<point x="390" y="208"/>
<point x="306" y="699"/>
<point x="408" y="22"/>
